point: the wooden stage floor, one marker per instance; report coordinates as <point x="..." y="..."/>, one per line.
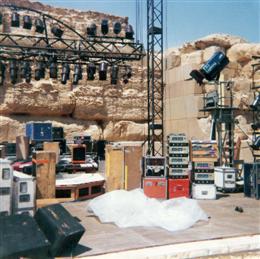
<point x="224" y="222"/>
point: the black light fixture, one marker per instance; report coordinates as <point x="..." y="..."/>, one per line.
<point x="256" y="143"/>
<point x="129" y="32"/>
<point x="26" y="71"/>
<point x="256" y="103"/>
<point x="77" y="74"/>
<point x="13" y="71"/>
<point x="65" y="73"/>
<point x="39" y="25"/>
<point x="127" y="75"/>
<point x="2" y="73"/>
<point x="255" y="126"/>
<point x="27" y="22"/>
<point x="91" y="70"/>
<point x="104" y="26"/>
<point x="53" y="68"/>
<point x="15" y="19"/>
<point x="39" y="71"/>
<point x="92" y="29"/>
<point x="57" y="31"/>
<point x="114" y="74"/>
<point x="103" y="71"/>
<point x="211" y="70"/>
<point x="117" y="27"/>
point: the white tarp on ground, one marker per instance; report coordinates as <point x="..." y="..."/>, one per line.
<point x="133" y="208"/>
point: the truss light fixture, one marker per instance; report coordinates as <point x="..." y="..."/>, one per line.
<point x="255" y="126"/>
<point x="57" y="31"/>
<point x="114" y="74"/>
<point x="27" y="22"/>
<point x="91" y="70"/>
<point x="13" y="71"/>
<point x="103" y="71"/>
<point x="256" y="143"/>
<point x="77" y="74"/>
<point x="53" y="68"/>
<point x="129" y="32"/>
<point x="92" y="29"/>
<point x="39" y="71"/>
<point x="2" y="73"/>
<point x="117" y="27"/>
<point x="104" y="26"/>
<point x="39" y="25"/>
<point x="65" y="74"/>
<point x="26" y="71"/>
<point x="211" y="69"/>
<point x="127" y="75"/>
<point x="15" y="19"/>
<point x="256" y="103"/>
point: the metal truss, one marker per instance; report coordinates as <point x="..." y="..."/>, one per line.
<point x="74" y="48"/>
<point x="155" y="76"/>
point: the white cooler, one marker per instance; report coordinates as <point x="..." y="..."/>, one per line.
<point x="225" y="178"/>
<point x="204" y="191"/>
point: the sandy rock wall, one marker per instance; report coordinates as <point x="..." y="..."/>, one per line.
<point x="184" y="99"/>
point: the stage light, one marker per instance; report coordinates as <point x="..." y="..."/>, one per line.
<point x="256" y="103"/>
<point x="15" y="20"/>
<point x="256" y="126"/>
<point x="53" y="68"/>
<point x="27" y="22"/>
<point x="127" y="75"/>
<point x="103" y="71"/>
<point x="26" y="71"/>
<point x="13" y="71"/>
<point x="2" y="73"/>
<point x="77" y="74"/>
<point x="211" y="70"/>
<point x="129" y="32"/>
<point x="91" y="70"/>
<point x="92" y="29"/>
<point x="39" y="71"/>
<point x="211" y="99"/>
<point x="256" y="143"/>
<point x="114" y="74"/>
<point x="117" y="27"/>
<point x="57" y="31"/>
<point x="65" y="74"/>
<point x="104" y="26"/>
<point x="39" y="25"/>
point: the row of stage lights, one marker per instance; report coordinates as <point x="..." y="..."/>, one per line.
<point x="39" y="72"/>
<point x="58" y="32"/>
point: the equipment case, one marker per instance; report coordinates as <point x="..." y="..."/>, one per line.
<point x="155" y="187"/>
<point x="225" y="178"/>
<point x="204" y="191"/>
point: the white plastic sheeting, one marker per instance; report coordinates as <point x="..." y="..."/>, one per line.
<point x="133" y="208"/>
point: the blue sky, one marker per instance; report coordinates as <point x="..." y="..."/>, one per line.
<point x="187" y="20"/>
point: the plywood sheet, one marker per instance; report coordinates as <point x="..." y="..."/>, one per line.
<point x="52" y="147"/>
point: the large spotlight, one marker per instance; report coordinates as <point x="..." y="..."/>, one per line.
<point x="103" y="71"/>
<point x="211" y="70"/>
<point x="26" y="71"/>
<point x="57" y="31"/>
<point x="256" y="143"/>
<point x="53" y="68"/>
<point x="39" y="25"/>
<point x="2" y="73"/>
<point x="13" y="71"/>
<point x="127" y="75"/>
<point x="129" y="32"/>
<point x="91" y="70"/>
<point x="65" y="74"/>
<point x="114" y="74"/>
<point x="15" y="20"/>
<point x="39" y="71"/>
<point x="256" y="104"/>
<point x="117" y="27"/>
<point x="27" y="22"/>
<point x="77" y="74"/>
<point x="92" y="29"/>
<point x="104" y="26"/>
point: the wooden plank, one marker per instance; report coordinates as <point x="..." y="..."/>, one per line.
<point x="45" y="202"/>
<point x="22" y="147"/>
<point x="52" y="147"/>
<point x="114" y="168"/>
<point x="45" y="165"/>
<point x="133" y="172"/>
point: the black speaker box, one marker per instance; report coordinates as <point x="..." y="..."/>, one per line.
<point x="62" y="230"/>
<point x="20" y="236"/>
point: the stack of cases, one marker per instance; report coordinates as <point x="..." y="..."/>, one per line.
<point x="225" y="178"/>
<point x="204" y="155"/>
<point x="6" y="180"/>
<point x="155" y="180"/>
<point x="24" y="193"/>
<point x="178" y="166"/>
